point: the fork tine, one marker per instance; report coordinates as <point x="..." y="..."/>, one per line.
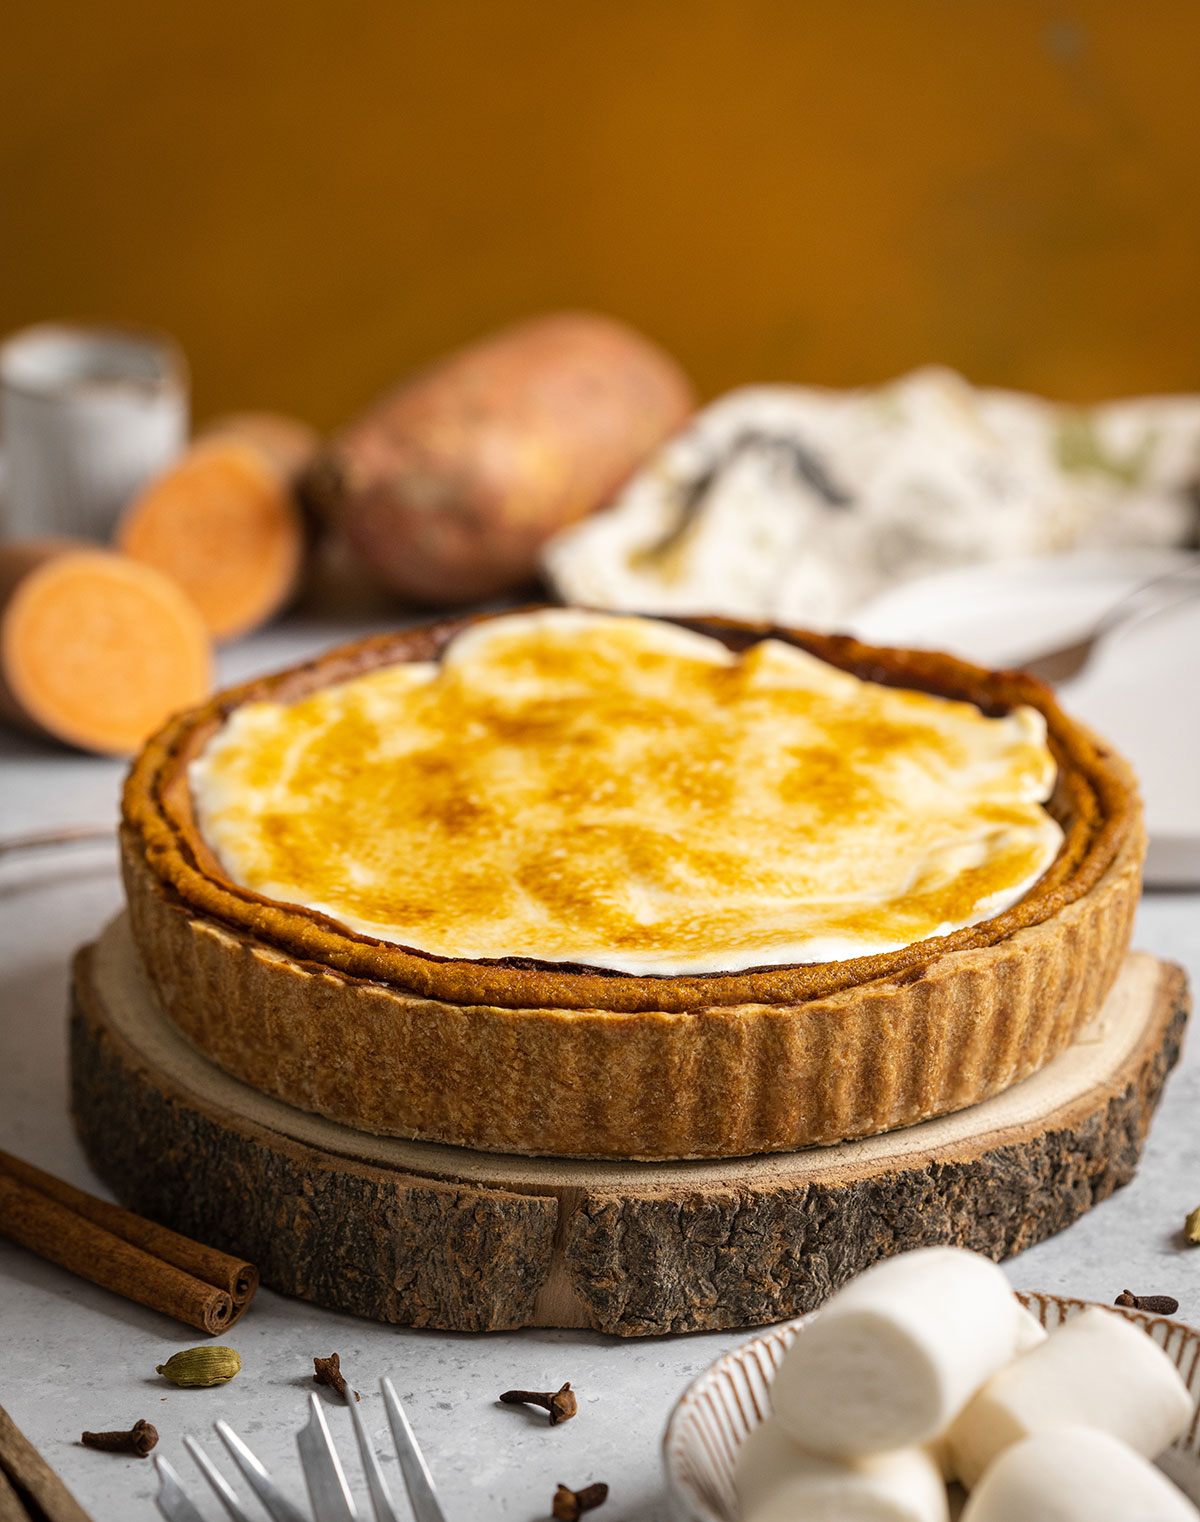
<point x="323" y="1472"/>
<point x="417" y="1479"/>
<point x="172" y="1500"/>
<point x="381" y="1497"/>
<point x="259" y="1481"/>
<point x="223" y="1489"/>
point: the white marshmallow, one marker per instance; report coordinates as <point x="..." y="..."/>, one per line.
<point x="1075" y="1474"/>
<point x="777" y="1482"/>
<point x="1098" y="1370"/>
<point x="1030" y="1332"/>
<point x="893" y="1357"/>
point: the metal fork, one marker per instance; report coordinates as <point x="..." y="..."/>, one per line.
<point x="323" y="1473"/>
<point x="1066" y="661"/>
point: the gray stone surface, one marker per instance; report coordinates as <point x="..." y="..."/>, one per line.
<point x="74" y="1357"/>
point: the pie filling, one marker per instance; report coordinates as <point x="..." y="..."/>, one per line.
<point x="625" y="794"/>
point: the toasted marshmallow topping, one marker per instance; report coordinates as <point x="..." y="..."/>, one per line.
<point x="626" y="794"/>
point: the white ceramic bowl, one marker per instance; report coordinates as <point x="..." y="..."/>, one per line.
<point x="715" y="1412"/>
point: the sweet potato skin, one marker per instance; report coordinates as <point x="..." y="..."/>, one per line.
<point x="448" y="487"/>
<point x="288" y="445"/>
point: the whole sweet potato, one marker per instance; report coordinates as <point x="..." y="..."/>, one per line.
<point x="450" y="484"/>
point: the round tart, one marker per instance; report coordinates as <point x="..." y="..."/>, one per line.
<point x="328" y="912"/>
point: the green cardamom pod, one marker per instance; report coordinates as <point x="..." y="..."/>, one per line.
<point x="1191" y="1228"/>
<point x="201" y="1366"/>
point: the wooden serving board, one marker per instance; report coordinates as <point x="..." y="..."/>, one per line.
<point x="436" y="1236"/>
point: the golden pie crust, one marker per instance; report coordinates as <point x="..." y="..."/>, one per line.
<point x="519" y="1056"/>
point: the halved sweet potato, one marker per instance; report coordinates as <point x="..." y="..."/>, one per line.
<point x="95" y="649"/>
<point x="223" y="522"/>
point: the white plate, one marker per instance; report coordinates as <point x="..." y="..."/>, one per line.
<point x="715" y="1412"/>
<point x="1141" y="690"/>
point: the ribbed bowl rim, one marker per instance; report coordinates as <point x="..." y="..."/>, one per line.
<point x="713" y="1415"/>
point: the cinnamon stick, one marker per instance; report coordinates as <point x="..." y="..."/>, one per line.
<point x="33" y="1478"/>
<point x="12" y="1508"/>
<point x="47" y="1227"/>
<point x="234" y="1275"/>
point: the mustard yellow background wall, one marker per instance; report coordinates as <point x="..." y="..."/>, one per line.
<point x="316" y="195"/>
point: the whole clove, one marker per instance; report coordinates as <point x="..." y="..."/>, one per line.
<point x="561" y="1403"/>
<point x="140" y="1438"/>
<point x="1157" y="1305"/>
<point x="569" y="1505"/>
<point x="329" y="1372"/>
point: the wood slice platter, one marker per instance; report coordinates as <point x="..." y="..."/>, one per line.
<point x="433" y="1236"/>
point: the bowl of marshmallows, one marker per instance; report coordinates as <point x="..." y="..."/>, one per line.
<point x="925" y="1390"/>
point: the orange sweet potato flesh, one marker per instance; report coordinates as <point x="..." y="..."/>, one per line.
<point x="95" y="650"/>
<point x="450" y="485"/>
<point x="224" y="524"/>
